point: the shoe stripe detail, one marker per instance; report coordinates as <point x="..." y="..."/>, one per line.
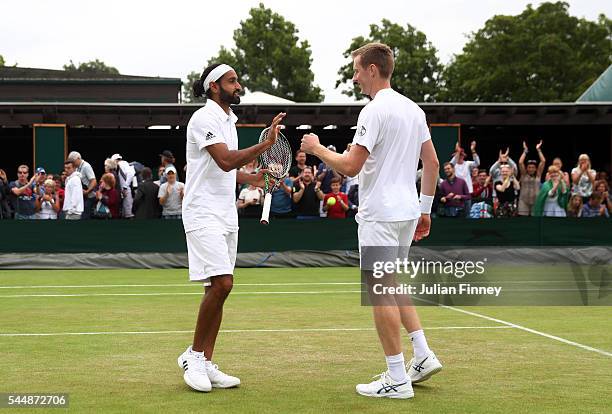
<point x="390" y="387"/>
<point x="419" y="367"/>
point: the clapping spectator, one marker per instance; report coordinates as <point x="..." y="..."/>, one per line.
<point x="171" y="195"/>
<point x="47" y="202"/>
<point x="146" y="203"/>
<point x="603" y="188"/>
<point x="307" y="195"/>
<point x="564" y="175"/>
<point x="454" y="193"/>
<point x="73" y="200"/>
<point x="483" y="188"/>
<point x="250" y="201"/>
<point x="463" y="168"/>
<point x="23" y="191"/>
<point x="531" y="178"/>
<point x="583" y="178"/>
<point x="503" y="159"/>
<point x="280" y="205"/>
<point x="88" y="181"/>
<point x="335" y="203"/>
<point x="574" y="207"/>
<point x="505" y="189"/>
<point x="552" y="198"/>
<point x="594" y="208"/>
<point x="109" y="201"/>
<point x="5" y="208"/>
<point x="300" y="160"/>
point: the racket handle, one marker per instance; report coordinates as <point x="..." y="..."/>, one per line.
<point x="265" y="213"/>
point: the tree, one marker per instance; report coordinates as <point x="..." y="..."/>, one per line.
<point x="1" y="61"/>
<point x="269" y="57"/>
<point x="417" y="67"/>
<point x="224" y="56"/>
<point x="93" y="67"/>
<point x="542" y="54"/>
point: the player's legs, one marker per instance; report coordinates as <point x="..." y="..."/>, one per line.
<point x="210" y="314"/>
<point x="388" y="323"/>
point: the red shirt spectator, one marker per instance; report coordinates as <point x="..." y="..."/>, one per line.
<point x="339" y="208"/>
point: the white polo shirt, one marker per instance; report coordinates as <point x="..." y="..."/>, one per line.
<point x="392" y="128"/>
<point x="210" y="192"/>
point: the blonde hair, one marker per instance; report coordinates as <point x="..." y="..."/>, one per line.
<point x="110" y="164"/>
<point x="50" y="183"/>
<point x="584" y="157"/>
<point x="377" y="54"/>
<point x="553" y="169"/>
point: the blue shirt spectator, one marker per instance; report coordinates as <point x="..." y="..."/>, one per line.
<point x="281" y="198"/>
<point x="24" y="196"/>
<point x="594" y="208"/>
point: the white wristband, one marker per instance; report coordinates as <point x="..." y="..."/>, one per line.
<point x="426" y="202"/>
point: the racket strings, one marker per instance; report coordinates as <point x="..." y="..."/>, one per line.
<point x="277" y="159"/>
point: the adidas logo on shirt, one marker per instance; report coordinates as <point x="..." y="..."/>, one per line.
<point x="209" y="136"/>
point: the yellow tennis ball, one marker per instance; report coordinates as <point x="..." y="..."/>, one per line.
<point x="331" y="201"/>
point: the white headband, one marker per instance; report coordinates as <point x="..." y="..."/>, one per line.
<point x="215" y="74"/>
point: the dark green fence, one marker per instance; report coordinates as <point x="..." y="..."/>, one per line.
<point x="50" y="237"/>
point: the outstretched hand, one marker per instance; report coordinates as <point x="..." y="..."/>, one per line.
<point x="275" y="128"/>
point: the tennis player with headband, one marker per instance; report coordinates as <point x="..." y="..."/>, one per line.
<point x="391" y="136"/>
<point x="209" y="213"/>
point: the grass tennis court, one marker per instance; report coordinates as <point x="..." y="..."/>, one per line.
<point x="298" y="339"/>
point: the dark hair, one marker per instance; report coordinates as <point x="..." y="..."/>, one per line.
<point x="448" y="163"/>
<point x="377" y="54"/>
<point x="71" y="162"/>
<point x="198" y="86"/>
<point x="146" y="173"/>
<point x="335" y="180"/>
<point x="299" y="151"/>
<point x="595" y="196"/>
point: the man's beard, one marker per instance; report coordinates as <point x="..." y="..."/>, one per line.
<point x="229" y="98"/>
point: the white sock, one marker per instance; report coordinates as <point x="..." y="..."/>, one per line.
<point x="419" y="344"/>
<point x="397" y="367"/>
<point x="195" y="352"/>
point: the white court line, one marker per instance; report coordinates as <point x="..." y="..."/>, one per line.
<point x="241" y="331"/>
<point x="533" y="331"/>
<point x="68" y="295"/>
<point x="197" y="284"/>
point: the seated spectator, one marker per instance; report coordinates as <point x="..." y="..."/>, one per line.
<point x="602" y="187"/>
<point x="335" y="203"/>
<point x="463" y="168"/>
<point x="552" y="198"/>
<point x="564" y="175"/>
<point x="325" y="174"/>
<point x="73" y="199"/>
<point x="353" y="198"/>
<point x="594" y="208"/>
<point x="281" y="204"/>
<point x="503" y="159"/>
<point x="146" y="204"/>
<point x="171" y="195"/>
<point x="483" y="189"/>
<point x="47" y="202"/>
<point x="505" y="189"/>
<point x="307" y="195"/>
<point x="5" y="206"/>
<point x="22" y="191"/>
<point x="167" y="160"/>
<point x="574" y="207"/>
<point x="531" y="178"/>
<point x="454" y="193"/>
<point x="583" y="178"/>
<point x="109" y="201"/>
<point x="250" y="201"/>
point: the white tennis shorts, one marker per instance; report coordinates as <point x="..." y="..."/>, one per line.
<point x="386" y="233"/>
<point x="211" y="253"/>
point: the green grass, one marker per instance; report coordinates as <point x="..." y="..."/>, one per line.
<point x="485" y="370"/>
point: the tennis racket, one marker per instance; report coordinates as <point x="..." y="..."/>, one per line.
<point x="277" y="160"/>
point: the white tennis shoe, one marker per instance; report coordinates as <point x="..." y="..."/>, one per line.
<point x="218" y="378"/>
<point x="195" y="372"/>
<point x="422" y="369"/>
<point x="385" y="386"/>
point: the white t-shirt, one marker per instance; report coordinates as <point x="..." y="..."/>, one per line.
<point x="392" y="128"/>
<point x="172" y="206"/>
<point x="256" y="194"/>
<point x="210" y="198"/>
<point x="464" y="171"/>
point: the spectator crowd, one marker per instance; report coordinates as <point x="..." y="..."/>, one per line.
<point x="127" y="189"/>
